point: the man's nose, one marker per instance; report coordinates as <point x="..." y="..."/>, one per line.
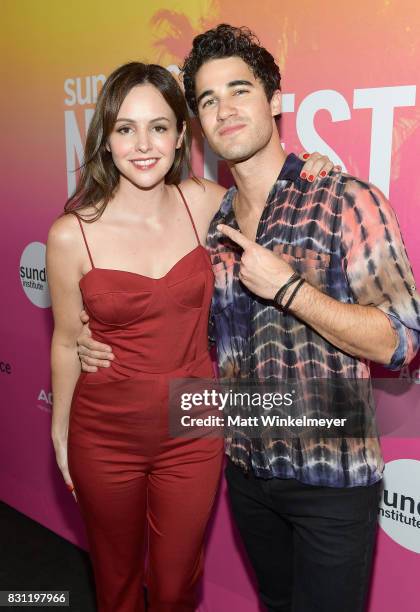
<point x="225" y="109"/>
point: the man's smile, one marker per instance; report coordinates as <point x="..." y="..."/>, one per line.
<point x="231" y="129"/>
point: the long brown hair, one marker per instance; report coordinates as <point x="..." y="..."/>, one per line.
<point x="98" y="175"/>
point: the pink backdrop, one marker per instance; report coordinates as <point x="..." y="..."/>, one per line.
<point x="350" y="85"/>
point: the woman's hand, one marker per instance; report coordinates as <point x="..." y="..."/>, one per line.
<point x="60" y="447"/>
<point x="316" y="165"/>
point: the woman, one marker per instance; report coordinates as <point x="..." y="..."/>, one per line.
<point x="131" y="252"/>
<point x="134" y="249"/>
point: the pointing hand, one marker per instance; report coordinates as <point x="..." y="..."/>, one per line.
<point x="261" y="271"/>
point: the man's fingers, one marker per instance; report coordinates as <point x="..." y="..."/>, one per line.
<point x="92" y="361"/>
<point x="84" y="317"/>
<point x="86" y="368"/>
<point x="234" y="235"/>
<point x="93" y="345"/>
<point x="82" y="350"/>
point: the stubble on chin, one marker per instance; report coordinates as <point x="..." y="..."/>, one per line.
<point x="236" y="153"/>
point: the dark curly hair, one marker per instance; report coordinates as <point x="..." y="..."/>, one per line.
<point x="229" y="41"/>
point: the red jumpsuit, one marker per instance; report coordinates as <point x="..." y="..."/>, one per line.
<point x="138" y="488"/>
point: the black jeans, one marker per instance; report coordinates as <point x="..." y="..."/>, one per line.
<point x="311" y="547"/>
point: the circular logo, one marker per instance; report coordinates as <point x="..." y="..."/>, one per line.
<point x="399" y="510"/>
<point x="33" y="275"/>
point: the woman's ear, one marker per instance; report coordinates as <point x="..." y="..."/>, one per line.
<point x="181" y="136"/>
<point x="107" y="147"/>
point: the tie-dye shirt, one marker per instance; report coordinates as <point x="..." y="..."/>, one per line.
<point x="342" y="236"/>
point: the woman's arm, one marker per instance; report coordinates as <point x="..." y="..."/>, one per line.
<point x="64" y="272"/>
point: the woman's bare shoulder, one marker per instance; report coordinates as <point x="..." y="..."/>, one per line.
<point x="66" y="228"/>
<point x="202" y="192"/>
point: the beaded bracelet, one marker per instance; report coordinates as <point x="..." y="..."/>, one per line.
<point x="282" y="291"/>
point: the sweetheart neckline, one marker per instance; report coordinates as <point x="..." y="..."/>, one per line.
<point x="151" y="278"/>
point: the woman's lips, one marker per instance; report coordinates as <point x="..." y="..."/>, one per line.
<point x="145" y="164"/>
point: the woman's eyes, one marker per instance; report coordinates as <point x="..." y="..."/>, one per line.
<point x="124" y="130"/>
<point x="160" y="129"/>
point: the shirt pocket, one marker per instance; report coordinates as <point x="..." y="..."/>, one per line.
<point x="312" y="265"/>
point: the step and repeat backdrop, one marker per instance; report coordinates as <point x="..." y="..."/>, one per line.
<point x="350" y="90"/>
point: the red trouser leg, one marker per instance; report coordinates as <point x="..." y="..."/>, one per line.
<point x="112" y="500"/>
<point x="122" y="462"/>
<point x="182" y="488"/>
<point x="113" y="436"/>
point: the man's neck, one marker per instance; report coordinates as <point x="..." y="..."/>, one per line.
<point x="255" y="177"/>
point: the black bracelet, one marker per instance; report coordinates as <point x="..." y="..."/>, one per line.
<point x="293" y="295"/>
<point x="281" y="292"/>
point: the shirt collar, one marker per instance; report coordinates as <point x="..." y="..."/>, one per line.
<point x="290" y="171"/>
<point x="291" y="168"/>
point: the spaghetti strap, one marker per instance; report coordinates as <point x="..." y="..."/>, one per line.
<point x="189" y="213"/>
<point x="84" y="238"/>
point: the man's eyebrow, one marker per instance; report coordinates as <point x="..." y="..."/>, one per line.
<point x="240" y="82"/>
<point x="210" y="92"/>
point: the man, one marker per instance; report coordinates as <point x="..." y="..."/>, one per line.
<point x="312" y="280"/>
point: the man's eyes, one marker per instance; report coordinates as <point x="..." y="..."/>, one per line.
<point x="211" y="101"/>
<point x="208" y="102"/>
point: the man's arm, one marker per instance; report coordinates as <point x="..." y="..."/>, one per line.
<point x="377" y="266"/>
<point x="361" y="331"/>
<point x="92" y="354"/>
<point x="384" y="326"/>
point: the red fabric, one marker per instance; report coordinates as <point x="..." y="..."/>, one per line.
<point x="130" y="477"/>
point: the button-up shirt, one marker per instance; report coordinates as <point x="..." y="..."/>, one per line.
<point x="341" y="235"/>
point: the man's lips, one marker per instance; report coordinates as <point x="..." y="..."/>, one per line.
<point x="230" y="129"/>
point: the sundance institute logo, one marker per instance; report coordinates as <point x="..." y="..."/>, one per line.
<point x="33" y="275"/>
<point x="399" y="511"/>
